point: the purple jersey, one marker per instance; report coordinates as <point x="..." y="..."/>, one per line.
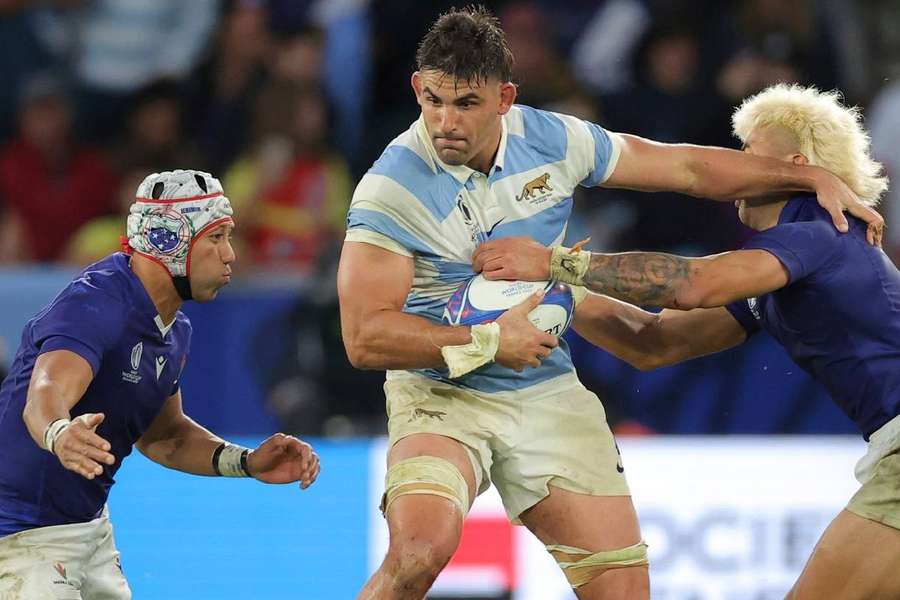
<point x="839" y="315"/>
<point x="106" y="317"/>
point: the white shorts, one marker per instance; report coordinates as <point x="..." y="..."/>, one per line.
<point x="552" y="433"/>
<point x="63" y="562"/>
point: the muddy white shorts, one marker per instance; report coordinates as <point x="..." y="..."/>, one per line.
<point x="63" y="562"/>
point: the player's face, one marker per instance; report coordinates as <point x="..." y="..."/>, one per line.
<point x="463" y="118"/>
<point x="771" y="142"/>
<point x="211" y="259"/>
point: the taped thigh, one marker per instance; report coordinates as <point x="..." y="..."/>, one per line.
<point x="582" y="566"/>
<point x="426" y="475"/>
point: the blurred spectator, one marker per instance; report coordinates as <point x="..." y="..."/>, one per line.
<point x="49" y="183"/>
<point x="542" y="75"/>
<point x="154" y="132"/>
<point x="601" y="57"/>
<point x="669" y="103"/>
<point x="291" y="192"/>
<point x="23" y="55"/>
<point x="778" y="41"/>
<point x="99" y="237"/>
<point x="123" y="45"/>
<point x="298" y="58"/>
<point x="222" y="90"/>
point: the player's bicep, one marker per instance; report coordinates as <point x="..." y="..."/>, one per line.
<point x="370" y="279"/>
<point x="724" y="278"/>
<point x="63" y="373"/>
<point x="698" y="332"/>
<point x="649" y="166"/>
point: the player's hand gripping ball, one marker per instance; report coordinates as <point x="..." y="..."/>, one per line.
<point x="481" y="301"/>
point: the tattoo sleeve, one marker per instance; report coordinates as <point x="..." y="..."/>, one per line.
<point x="641" y="278"/>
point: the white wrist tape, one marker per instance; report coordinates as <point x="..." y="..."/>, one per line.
<point x="230" y="460"/>
<point x="569" y="265"/>
<point x="480" y="351"/>
<point x="53" y="430"/>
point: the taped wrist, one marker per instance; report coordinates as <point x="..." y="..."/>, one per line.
<point x="569" y="265"/>
<point x="230" y="460"/>
<point x="53" y="431"/>
<point x="480" y="351"/>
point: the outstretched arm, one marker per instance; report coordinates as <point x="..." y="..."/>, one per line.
<point x="176" y="441"/>
<point x="58" y="381"/>
<point x="648" y="340"/>
<point x="723" y="174"/>
<point x="642" y="278"/>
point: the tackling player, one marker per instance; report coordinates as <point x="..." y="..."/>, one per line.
<point x="832" y="300"/>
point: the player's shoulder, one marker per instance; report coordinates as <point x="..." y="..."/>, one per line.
<point x="548" y="132"/>
<point x="102" y="284"/>
<point x="804" y="219"/>
<point x="405" y="153"/>
<point x="404" y="168"/>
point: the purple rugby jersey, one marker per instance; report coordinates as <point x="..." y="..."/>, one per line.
<point x="105" y="316"/>
<point x="839" y="315"/>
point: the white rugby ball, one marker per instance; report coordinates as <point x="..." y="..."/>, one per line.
<point x="480" y="300"/>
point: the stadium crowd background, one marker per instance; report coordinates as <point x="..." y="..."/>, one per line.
<point x="288" y="102"/>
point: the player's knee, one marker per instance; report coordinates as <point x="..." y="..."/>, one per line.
<point x="415" y="562"/>
<point x="426" y="475"/>
<point x="583" y="566"/>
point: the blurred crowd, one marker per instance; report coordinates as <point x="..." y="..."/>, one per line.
<point x="288" y="102"/>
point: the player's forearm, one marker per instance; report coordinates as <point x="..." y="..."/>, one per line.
<point x="723" y="174"/>
<point x="184" y="446"/>
<point x="46" y="402"/>
<point x="644" y="278"/>
<point x="391" y="339"/>
<point x="625" y="331"/>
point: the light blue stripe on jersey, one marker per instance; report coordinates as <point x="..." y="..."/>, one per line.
<point x="430" y="308"/>
<point x="436" y="191"/>
<point x="386" y="225"/>
<point x="550" y="143"/>
<point x="602" y="153"/>
<point x="448" y="272"/>
<point x="493" y="378"/>
<point x="544" y="227"/>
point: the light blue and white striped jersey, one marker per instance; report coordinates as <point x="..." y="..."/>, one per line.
<point x="412" y="203"/>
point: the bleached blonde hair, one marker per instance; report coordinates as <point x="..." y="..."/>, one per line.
<point x="829" y="134"/>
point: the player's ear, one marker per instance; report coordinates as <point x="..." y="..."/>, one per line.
<point x="799" y="159"/>
<point x="508" y="91"/>
<point x="416" y="82"/>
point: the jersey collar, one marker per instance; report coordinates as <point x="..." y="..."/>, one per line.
<point x="461" y="173"/>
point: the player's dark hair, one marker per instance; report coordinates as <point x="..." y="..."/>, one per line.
<point x="468" y="45"/>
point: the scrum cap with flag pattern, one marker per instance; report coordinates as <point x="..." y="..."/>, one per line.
<point x="171" y="209"/>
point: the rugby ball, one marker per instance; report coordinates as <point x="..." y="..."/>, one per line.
<point x="480" y="300"/>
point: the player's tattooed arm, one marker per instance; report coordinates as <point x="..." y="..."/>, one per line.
<point x="642" y="278"/>
<point x="668" y="281"/>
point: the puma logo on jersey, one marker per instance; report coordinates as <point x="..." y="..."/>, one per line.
<point x="434" y="414"/>
<point x="538" y="185"/>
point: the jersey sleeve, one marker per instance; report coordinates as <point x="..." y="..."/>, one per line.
<point x="743" y="314"/>
<point x="386" y="214"/>
<point x="803" y="247"/>
<point x="597" y="149"/>
<point x="84" y="321"/>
